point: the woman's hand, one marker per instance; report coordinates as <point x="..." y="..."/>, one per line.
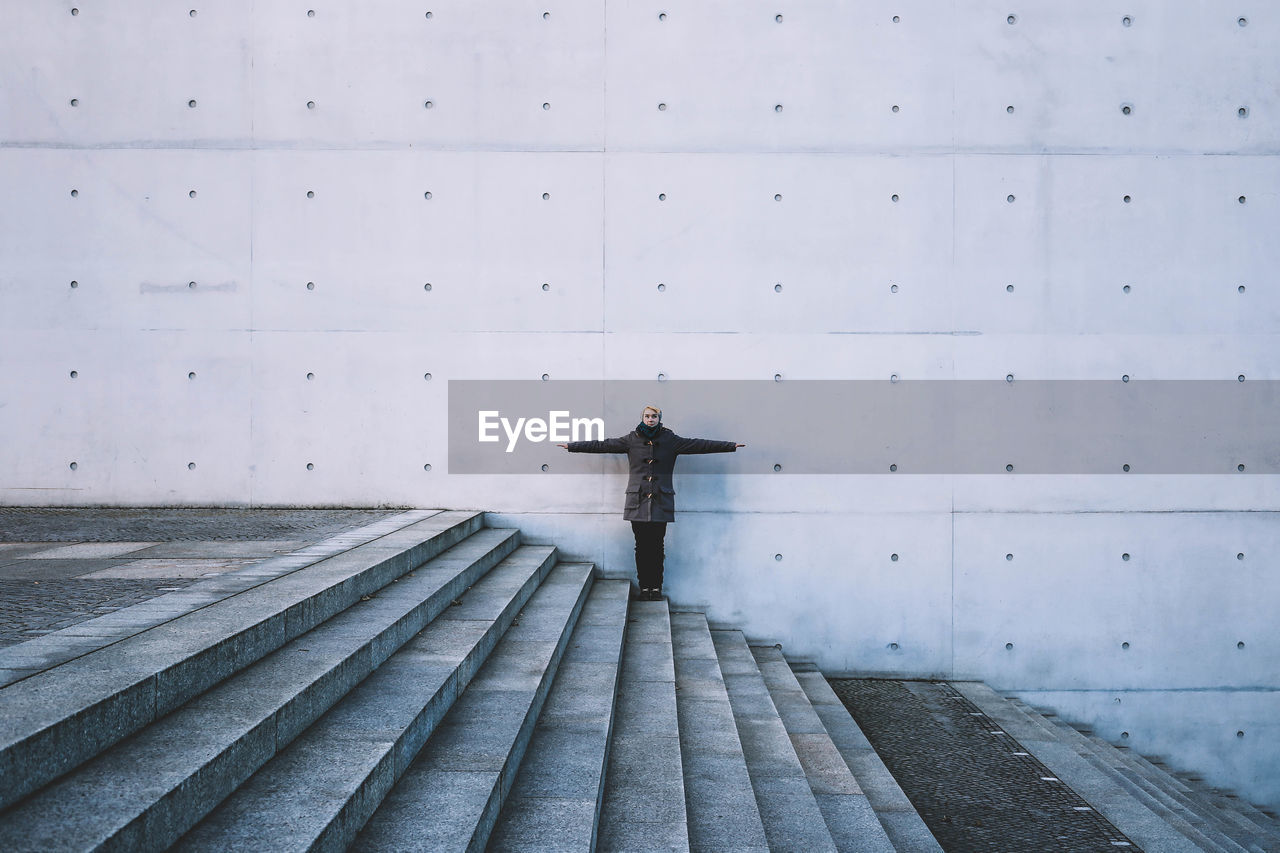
<point x="565" y="446"/>
<point x="740" y="445"/>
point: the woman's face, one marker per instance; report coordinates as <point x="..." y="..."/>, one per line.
<point x="650" y="417"/>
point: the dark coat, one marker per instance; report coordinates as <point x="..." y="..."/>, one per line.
<point x="650" y="494"/>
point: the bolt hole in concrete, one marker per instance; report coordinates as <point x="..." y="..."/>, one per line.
<point x="777" y="108"/>
<point x="546" y="196"/>
<point x="311" y="466"/>
<point x="1126" y="288"/>
<point x="1126" y="108"/>
<point x="894" y="108"/>
<point x="777" y="558"/>
<point x="1008" y="288"/>
<point x="546" y="16"/>
<point x="1240" y="556"/>
<point x="1243" y="112"/>
<point x="311" y="285"/>
<point x="427" y="377"/>
<point x="76" y="284"/>
<point x="1241" y="199"/>
<point x="546" y="376"/>
<point x="311" y="194"/>
<point x="1240" y="645"/>
<point x="1124" y="646"/>
<point x="75" y="102"/>
<point x="191" y="466"/>
<point x="75" y="193"/>
<point x="1126" y="466"/>
<point x="893" y="466"/>
<point x="191" y="285"/>
<point x="662" y="377"/>
<point x="428" y="104"/>
<point x="191" y="194"/>
<point x="74" y="374"/>
<point x="427" y="195"/>
<point x="546" y="105"/>
<point x="662" y="196"/>
<point x="1012" y="19"/>
<point x="1009" y="468"/>
<point x="192" y="13"/>
<point x="192" y="103"/>
<point x="191" y="375"/>
<point x="1127" y="199"/>
<point x="661" y="287"/>
<point x="546" y="467"/>
<point x="1011" y="199"/>
<point x="74" y="466"/>
<point x="894" y="198"/>
<point x="662" y="107"/>
<point x="893" y="558"/>
<point x="1008" y="647"/>
<point x="1239" y="734"/>
<point x="1008" y="557"/>
<point x="778" y="18"/>
<point x="1124" y="557"/>
<point x="311" y="105"/>
<point x="426" y="467"/>
<point x="777" y="288"/>
<point x="893" y="646"/>
<point x="777" y="467"/>
<point x="1127" y="21"/>
<point x="1240" y="467"/>
<point x="896" y="19"/>
<point x="1009" y="109"/>
<point x="893" y="288"/>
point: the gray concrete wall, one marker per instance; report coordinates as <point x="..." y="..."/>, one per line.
<point x="216" y="241"/>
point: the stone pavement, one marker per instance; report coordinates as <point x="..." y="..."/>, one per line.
<point x="62" y="566"/>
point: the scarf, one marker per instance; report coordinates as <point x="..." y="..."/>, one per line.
<point x="649" y="431"/>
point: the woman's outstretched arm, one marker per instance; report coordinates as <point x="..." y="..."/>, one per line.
<point x="609" y="445"/>
<point x="705" y="445"/>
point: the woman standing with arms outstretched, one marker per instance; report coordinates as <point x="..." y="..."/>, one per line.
<point x="650" y="504"/>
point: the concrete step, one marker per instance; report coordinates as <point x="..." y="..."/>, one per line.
<point x="154" y="786"/>
<point x="1230" y="818"/>
<point x="1194" y="825"/>
<point x="720" y="801"/>
<point x="319" y="791"/>
<point x="849" y="816"/>
<point x="450" y="796"/>
<point x="53" y="721"/>
<point x="644" y="799"/>
<point x="554" y="804"/>
<point x="1212" y="827"/>
<point x="1199" y="793"/>
<point x="1129" y="814"/>
<point x="902" y="823"/>
<point x="790" y="813"/>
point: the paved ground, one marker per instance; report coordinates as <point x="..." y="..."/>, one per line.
<point x="60" y="567"/>
<point x="975" y="787"/>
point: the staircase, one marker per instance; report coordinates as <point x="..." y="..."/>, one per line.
<point x="441" y="686"/>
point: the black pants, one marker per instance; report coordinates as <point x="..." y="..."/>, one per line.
<point x="649" y="537"/>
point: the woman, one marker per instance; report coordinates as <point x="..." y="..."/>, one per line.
<point x="651" y="449"/>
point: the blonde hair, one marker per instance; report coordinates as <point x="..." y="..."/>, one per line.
<point x="655" y="408"/>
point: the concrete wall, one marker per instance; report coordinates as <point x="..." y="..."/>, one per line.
<point x="216" y="241"/>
